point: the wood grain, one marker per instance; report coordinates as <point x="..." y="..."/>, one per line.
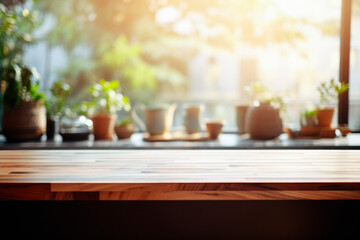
<point x="179" y="175"/>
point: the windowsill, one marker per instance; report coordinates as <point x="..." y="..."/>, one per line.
<point x="225" y="141"/>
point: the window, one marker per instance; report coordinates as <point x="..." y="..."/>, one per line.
<point x="197" y="51"/>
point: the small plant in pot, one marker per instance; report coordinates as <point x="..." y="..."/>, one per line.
<point x="329" y="94"/>
<point x="308" y="118"/>
<point x="55" y="107"/>
<point x="24" y="113"/>
<point x="309" y="122"/>
<point x="106" y="101"/>
<point x="263" y="119"/>
<point x="125" y="128"/>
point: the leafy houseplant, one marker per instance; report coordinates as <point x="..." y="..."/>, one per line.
<point x="106" y="101"/>
<point x="329" y="93"/>
<point x="24" y="113"/>
<point x="55" y="107"/>
<point x="16" y="26"/>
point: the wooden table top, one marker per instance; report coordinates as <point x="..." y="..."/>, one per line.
<point x="179" y="174"/>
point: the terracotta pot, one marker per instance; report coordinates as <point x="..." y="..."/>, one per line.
<point x="124" y="131"/>
<point x="103" y="126"/>
<point x="25" y="122"/>
<point x="328" y="133"/>
<point x="310" y="131"/>
<point x="213" y="128"/>
<point x="325" y="116"/>
<point x="344" y="130"/>
<point x="263" y="122"/>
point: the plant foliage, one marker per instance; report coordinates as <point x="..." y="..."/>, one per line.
<point x="261" y="93"/>
<point x="16" y="26"/>
<point x="330" y="91"/>
<point x="21" y="85"/>
<point x="106" y="98"/>
<point x="309" y="113"/>
<point x="55" y="103"/>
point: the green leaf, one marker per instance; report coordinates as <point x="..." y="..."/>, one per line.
<point x="331" y="90"/>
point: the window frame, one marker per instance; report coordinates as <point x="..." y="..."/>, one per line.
<point x="344" y="67"/>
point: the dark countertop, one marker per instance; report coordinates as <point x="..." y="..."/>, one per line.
<point x="225" y="141"/>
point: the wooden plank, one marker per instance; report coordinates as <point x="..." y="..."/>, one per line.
<point x="231" y="195"/>
<point x="181" y="166"/>
<point x="25" y="191"/>
<point x="179" y="175"/>
<point x="201" y="187"/>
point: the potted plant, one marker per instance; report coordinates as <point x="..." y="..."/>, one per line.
<point x="263" y="119"/>
<point x="309" y="123"/>
<point x="106" y="101"/>
<point x="24" y="110"/>
<point x="125" y="128"/>
<point x="308" y="118"/>
<point x="55" y="107"/>
<point x="16" y="27"/>
<point x="329" y="93"/>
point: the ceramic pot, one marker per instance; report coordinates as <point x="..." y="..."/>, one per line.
<point x="103" y="126"/>
<point x="192" y="119"/>
<point x="325" y="116"/>
<point x="263" y="122"/>
<point x="52" y="127"/>
<point x="241" y="111"/>
<point x="158" y="120"/>
<point x="27" y="121"/>
<point x="124" y="131"/>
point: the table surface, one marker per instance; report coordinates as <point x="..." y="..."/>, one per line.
<point x="225" y="141"/>
<point x="179" y="174"/>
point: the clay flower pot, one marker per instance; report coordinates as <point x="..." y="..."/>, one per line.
<point x="328" y="132"/>
<point x="310" y="131"/>
<point x="25" y="122"/>
<point x="344" y="129"/>
<point x="103" y="126"/>
<point x="325" y="116"/>
<point x="124" y="131"/>
<point x="214" y="128"/>
<point x="263" y="122"/>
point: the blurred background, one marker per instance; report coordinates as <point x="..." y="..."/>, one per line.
<point x="187" y="52"/>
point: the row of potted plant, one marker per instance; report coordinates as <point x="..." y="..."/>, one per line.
<point x="24" y="114"/>
<point x="263" y="120"/>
